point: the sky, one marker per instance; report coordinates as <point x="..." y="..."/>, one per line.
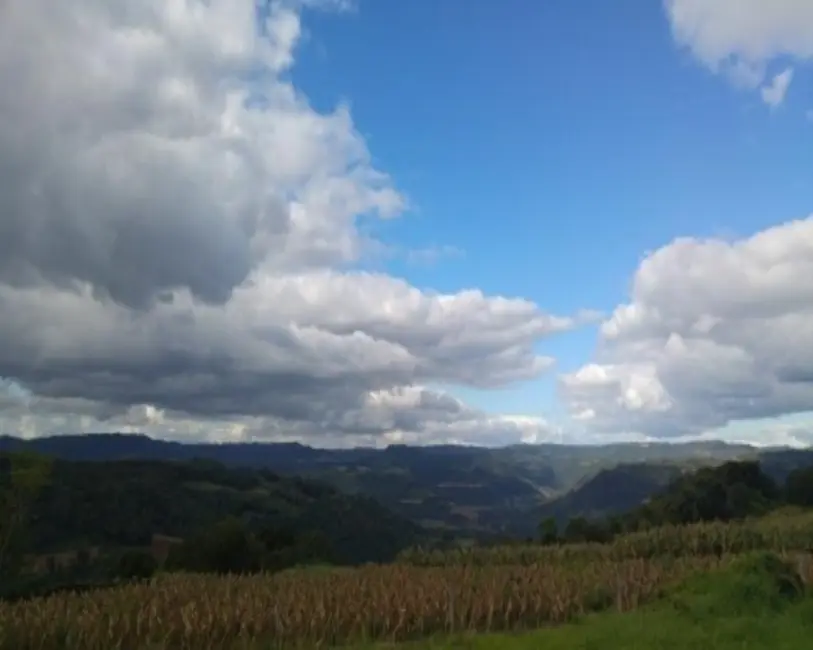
<point x="366" y="222"/>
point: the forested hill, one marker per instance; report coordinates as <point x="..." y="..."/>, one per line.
<point x="556" y="466"/>
<point x="122" y="503"/>
<point x="612" y="491"/>
<point x="731" y="491"/>
<point x="469" y="491"/>
<point x="453" y="490"/>
<point x="628" y="486"/>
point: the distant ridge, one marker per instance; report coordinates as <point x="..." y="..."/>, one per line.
<point x="476" y="491"/>
<point x="132" y="440"/>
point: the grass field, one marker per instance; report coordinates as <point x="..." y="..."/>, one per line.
<point x="790" y="630"/>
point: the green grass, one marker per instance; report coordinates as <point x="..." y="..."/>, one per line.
<point x="758" y="604"/>
<point x="792" y="630"/>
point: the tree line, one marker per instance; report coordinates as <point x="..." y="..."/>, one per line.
<point x="732" y="491"/>
<point x="230" y="521"/>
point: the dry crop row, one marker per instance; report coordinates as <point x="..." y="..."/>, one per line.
<point x="793" y="533"/>
<point x="323" y="608"/>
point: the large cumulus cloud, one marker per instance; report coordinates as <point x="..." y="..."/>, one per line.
<point x="745" y="39"/>
<point x="150" y="146"/>
<point x="715" y="332"/>
<point x="717" y="335"/>
<point x="176" y="228"/>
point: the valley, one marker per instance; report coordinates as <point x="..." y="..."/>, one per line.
<point x="478" y="492"/>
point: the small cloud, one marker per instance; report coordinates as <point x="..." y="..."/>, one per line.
<point x="744" y="74"/>
<point x="809" y="115"/>
<point x="433" y="254"/>
<point x="589" y="316"/>
<point x="773" y="93"/>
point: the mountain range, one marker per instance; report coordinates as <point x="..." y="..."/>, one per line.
<point x="458" y="490"/>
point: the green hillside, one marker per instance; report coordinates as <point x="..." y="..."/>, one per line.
<point x="454" y="490"/>
<point x="612" y="491"/>
<point x="123" y="503"/>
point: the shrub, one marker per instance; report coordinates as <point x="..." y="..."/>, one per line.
<point x="135" y="565"/>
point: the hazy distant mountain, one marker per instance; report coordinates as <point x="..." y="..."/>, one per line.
<point x="778" y="463"/>
<point x="477" y="490"/>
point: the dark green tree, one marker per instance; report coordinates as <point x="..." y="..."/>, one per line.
<point x="549" y="531"/>
<point x="226" y="547"/>
<point x="135" y="565"/>
<point x="799" y="487"/>
<point x="22" y="476"/>
<point x="581" y="529"/>
<point x="576" y="530"/>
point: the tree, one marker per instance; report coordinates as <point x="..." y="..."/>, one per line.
<point x="226" y="547"/>
<point x="799" y="487"/>
<point x="581" y="529"/>
<point x="576" y="530"/>
<point x="135" y="564"/>
<point x="548" y="531"/>
<point x="22" y="477"/>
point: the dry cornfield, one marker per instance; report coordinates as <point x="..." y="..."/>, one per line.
<point x="308" y="609"/>
<point x="790" y="533"/>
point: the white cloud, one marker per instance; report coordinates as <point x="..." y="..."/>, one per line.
<point x="715" y="332"/>
<point x="431" y="255"/>
<point x="794" y="430"/>
<point x="773" y="93"/>
<point x="405" y="415"/>
<point x="129" y="136"/>
<point x="742" y="38"/>
<point x="176" y="228"/>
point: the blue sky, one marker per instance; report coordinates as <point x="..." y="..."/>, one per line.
<point x="554" y="143"/>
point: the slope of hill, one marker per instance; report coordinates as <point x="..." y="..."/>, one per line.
<point x="779" y="463"/>
<point x="612" y="491"/>
<point x="122" y="503"/>
<point x="575" y="463"/>
<point x="476" y="491"/>
<point x="443" y="487"/>
<point x="733" y="490"/>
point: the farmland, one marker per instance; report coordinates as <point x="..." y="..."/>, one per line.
<point x="781" y="531"/>
<point x="512" y="592"/>
<point x="310" y="609"/>
<point x="246" y="583"/>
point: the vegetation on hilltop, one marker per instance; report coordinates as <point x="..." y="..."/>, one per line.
<point x="731" y="491"/>
<point x="612" y="491"/>
<point x="22" y="478"/>
<point x="120" y="505"/>
<point x="455" y="490"/>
